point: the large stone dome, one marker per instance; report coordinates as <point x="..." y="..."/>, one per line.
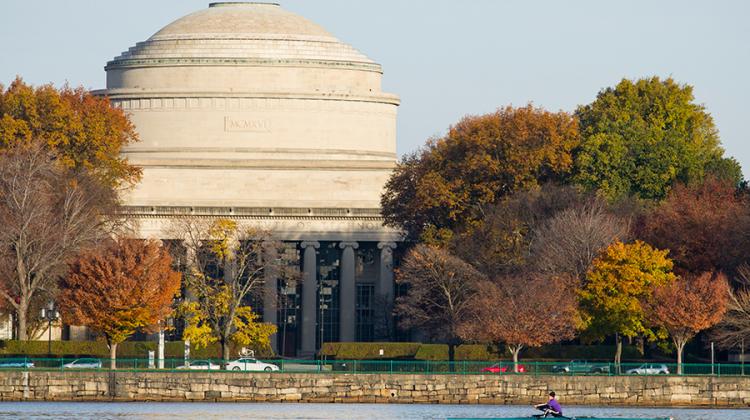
<point x="246" y="108"/>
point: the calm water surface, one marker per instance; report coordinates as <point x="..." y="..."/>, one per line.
<point x="205" y="411"/>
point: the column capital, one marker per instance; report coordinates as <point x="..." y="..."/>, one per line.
<point x="305" y="244"/>
<point x="344" y="245"/>
<point x="384" y="245"/>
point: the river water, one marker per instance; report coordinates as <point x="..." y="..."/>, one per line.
<point x="205" y="411"/>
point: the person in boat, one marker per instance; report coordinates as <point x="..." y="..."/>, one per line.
<point x="551" y="407"/>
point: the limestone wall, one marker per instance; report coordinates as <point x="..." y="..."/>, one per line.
<point x="447" y="389"/>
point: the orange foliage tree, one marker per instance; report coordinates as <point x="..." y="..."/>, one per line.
<point x="687" y="306"/>
<point x="83" y="130"/>
<point x="128" y="286"/>
<point x="481" y="159"/>
<point x="526" y="310"/>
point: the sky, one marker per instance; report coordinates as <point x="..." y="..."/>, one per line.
<point x="444" y="58"/>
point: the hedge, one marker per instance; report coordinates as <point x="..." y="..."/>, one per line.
<point x="125" y="350"/>
<point x="418" y="351"/>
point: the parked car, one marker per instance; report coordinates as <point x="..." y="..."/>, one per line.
<point x="16" y="363"/>
<point x="251" y="364"/>
<point x="503" y="368"/>
<point x="581" y="366"/>
<point x="649" y="369"/>
<point x="84" y="363"/>
<point x="200" y="365"/>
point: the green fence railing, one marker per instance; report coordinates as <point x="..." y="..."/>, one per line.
<point x="379" y="366"/>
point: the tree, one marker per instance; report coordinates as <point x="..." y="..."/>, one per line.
<point x="706" y="226"/>
<point x="226" y="264"/>
<point x="568" y="242"/>
<point x="500" y="243"/>
<point x="618" y="281"/>
<point x="82" y="130"/>
<point x="527" y="310"/>
<point x="483" y="158"/>
<point x="440" y="288"/>
<point x="130" y="285"/>
<point x="48" y="214"/>
<point x="734" y="329"/>
<point x="643" y="136"/>
<point x="687" y="306"/>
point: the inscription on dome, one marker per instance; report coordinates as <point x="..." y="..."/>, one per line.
<point x="232" y="124"/>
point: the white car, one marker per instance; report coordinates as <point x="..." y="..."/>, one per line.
<point x="649" y="369"/>
<point x="250" y="364"/>
<point x="85" y="363"/>
<point x="200" y="365"/>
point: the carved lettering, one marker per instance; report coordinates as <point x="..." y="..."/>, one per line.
<point x="246" y="125"/>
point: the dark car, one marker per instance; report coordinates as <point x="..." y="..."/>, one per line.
<point x="503" y="368"/>
<point x="581" y="366"/>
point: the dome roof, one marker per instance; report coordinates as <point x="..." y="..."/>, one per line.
<point x="239" y="31"/>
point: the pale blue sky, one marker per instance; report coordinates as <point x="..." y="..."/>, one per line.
<point x="445" y="59"/>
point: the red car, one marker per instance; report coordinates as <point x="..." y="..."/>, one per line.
<point x="503" y="368"/>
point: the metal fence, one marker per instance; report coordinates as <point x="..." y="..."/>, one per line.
<point x="379" y="366"/>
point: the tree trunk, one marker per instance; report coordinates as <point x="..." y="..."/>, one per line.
<point x="224" y="352"/>
<point x="113" y="355"/>
<point x="515" y="350"/>
<point x="21" y="316"/>
<point x="680" y="345"/>
<point x="451" y="355"/>
<point x="618" y="353"/>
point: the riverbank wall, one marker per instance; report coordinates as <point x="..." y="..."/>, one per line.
<point x="707" y="391"/>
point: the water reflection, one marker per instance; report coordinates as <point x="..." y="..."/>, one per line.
<point x="203" y="411"/>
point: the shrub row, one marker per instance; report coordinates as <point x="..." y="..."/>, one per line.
<point x="125" y="350"/>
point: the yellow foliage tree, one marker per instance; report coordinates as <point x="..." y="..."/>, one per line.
<point x="619" y="280"/>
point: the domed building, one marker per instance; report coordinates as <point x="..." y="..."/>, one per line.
<point x="250" y="112"/>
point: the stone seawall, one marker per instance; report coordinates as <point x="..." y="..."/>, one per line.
<point x="371" y="388"/>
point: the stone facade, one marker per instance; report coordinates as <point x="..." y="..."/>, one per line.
<point x="247" y="111"/>
<point x="369" y="388"/>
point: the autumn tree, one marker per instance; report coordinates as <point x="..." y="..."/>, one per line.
<point x="501" y="242"/>
<point x="569" y="241"/>
<point x="128" y="286"/>
<point x="440" y="288"/>
<point x="524" y="310"/>
<point x="705" y="226"/>
<point x="617" y="283"/>
<point x="733" y="330"/>
<point x="83" y="131"/>
<point x="687" y="306"/>
<point x="641" y="137"/>
<point x="48" y="214"/>
<point x="483" y="158"/>
<point x="226" y="263"/>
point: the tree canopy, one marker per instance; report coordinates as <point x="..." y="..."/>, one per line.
<point x="126" y="287"/>
<point x="84" y="131"/>
<point x="640" y="137"/>
<point x="454" y="179"/>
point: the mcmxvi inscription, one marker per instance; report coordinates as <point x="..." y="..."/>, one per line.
<point x="244" y="124"/>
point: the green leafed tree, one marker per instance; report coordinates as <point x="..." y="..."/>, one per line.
<point x="640" y="137"/>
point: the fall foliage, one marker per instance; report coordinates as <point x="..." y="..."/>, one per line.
<point x="126" y="287"/>
<point x="618" y="281"/>
<point x="705" y="226"/>
<point x="482" y="159"/>
<point x="82" y="130"/>
<point x="687" y="306"/>
<point x="226" y="264"/>
<point x="525" y="310"/>
<point x="440" y="288"/>
<point x="48" y="214"/>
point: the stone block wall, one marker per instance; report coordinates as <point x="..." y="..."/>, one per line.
<point x="371" y="388"/>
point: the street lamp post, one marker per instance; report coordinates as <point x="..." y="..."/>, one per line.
<point x="50" y="314"/>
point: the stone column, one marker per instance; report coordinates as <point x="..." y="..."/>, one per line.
<point x="270" y="291"/>
<point x="347" y="293"/>
<point x="309" y="297"/>
<point x="384" y="286"/>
